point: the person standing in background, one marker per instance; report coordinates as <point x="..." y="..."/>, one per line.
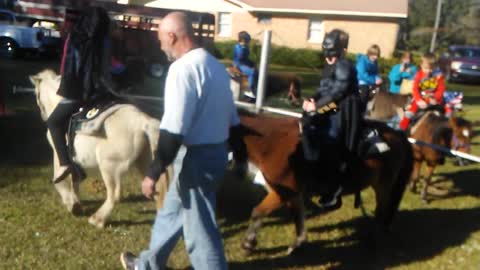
<point x="406" y="70"/>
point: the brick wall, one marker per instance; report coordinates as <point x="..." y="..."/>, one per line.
<point x="292" y="31"/>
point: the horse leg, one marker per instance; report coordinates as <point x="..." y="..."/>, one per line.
<point x="428" y="177"/>
<point x="68" y="191"/>
<point x="417" y="165"/>
<point x="111" y="173"/>
<point x="271" y="202"/>
<point x="298" y="211"/>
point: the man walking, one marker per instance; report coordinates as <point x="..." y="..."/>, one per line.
<point x="199" y="111"/>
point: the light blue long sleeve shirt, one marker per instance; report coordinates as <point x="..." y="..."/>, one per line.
<point x="396" y="77"/>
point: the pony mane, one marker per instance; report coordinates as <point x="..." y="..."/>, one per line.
<point x="442" y="133"/>
<point x="47" y="74"/>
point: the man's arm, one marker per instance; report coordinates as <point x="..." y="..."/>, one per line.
<point x="167" y="149"/>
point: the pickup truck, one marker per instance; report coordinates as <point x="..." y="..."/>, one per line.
<point x="18" y="36"/>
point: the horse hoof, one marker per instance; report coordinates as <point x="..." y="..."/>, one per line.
<point x="295" y="250"/>
<point x="77" y="209"/>
<point x="249" y="246"/>
<point x="95" y="222"/>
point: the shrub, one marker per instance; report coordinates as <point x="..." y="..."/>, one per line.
<point x="279" y="55"/>
<point x="308" y="58"/>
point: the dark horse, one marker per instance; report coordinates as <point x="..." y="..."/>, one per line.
<point x="431" y="128"/>
<point x="273" y="145"/>
<point x="277" y="83"/>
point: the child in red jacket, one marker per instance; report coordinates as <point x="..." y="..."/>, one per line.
<point x="428" y="88"/>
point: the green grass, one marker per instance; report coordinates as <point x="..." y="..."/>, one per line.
<point x="36" y="232"/>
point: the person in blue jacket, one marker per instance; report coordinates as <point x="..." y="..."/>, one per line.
<point x="367" y="72"/>
<point x="406" y="70"/>
<point x="241" y="61"/>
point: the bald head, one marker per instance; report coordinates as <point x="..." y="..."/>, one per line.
<point x="176" y="35"/>
<point x="177" y="23"/>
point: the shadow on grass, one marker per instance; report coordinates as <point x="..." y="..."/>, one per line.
<point x="23" y="140"/>
<point x="465" y="182"/>
<point x="418" y="235"/>
<point x="128" y="223"/>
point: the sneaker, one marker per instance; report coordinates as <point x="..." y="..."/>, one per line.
<point x="331" y="201"/>
<point x="78" y="174"/>
<point x="249" y="94"/>
<point x="129" y="261"/>
<point x="62" y="173"/>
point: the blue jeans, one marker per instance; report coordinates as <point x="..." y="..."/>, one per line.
<point x="189" y="210"/>
<point x="251" y="73"/>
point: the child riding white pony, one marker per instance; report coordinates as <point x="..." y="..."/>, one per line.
<point x="128" y="139"/>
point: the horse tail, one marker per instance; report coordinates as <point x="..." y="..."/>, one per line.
<point x="400" y="181"/>
<point x="151" y="129"/>
<point x="403" y="177"/>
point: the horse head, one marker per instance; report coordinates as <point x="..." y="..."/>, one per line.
<point x="46" y="84"/>
<point x="462" y="133"/>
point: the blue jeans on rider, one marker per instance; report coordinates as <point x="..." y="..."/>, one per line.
<point x="189" y="211"/>
<point x="251" y="73"/>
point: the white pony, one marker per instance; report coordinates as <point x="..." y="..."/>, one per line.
<point x="128" y="139"/>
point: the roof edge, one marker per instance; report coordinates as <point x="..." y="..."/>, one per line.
<point x="328" y="12"/>
<point x="241" y="4"/>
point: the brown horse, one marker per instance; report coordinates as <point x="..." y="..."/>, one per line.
<point x="431" y="128"/>
<point x="462" y="135"/>
<point x="276" y="83"/>
<point x="273" y="145"/>
<point x="385" y="105"/>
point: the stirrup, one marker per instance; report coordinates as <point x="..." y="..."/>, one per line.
<point x="249" y="94"/>
<point x="333" y="203"/>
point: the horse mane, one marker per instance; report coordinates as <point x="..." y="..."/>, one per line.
<point x="47" y="74"/>
<point x="441" y="131"/>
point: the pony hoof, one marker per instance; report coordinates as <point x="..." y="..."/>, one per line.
<point x="249" y="246"/>
<point x="295" y="250"/>
<point x="95" y="222"/>
<point x="77" y="209"/>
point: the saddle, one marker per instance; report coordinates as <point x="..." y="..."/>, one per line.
<point x="89" y="120"/>
<point x="369" y="144"/>
<point x="421" y="112"/>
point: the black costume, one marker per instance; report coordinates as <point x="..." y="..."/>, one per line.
<point x="336" y="128"/>
<point x="85" y="67"/>
<point x="330" y="134"/>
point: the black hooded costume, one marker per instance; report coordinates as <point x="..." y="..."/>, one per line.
<point x="85" y="68"/>
<point x="335" y="129"/>
<point x="86" y="64"/>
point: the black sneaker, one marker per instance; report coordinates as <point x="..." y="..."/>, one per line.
<point x="78" y="174"/>
<point x="331" y="201"/>
<point x="129" y="261"/>
<point x="376" y="146"/>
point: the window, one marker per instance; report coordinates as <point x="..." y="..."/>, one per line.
<point x="6" y="17"/>
<point x="264" y="19"/>
<point x="316" y="31"/>
<point x="224" y="24"/>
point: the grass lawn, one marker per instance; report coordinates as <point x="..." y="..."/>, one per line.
<point x="36" y="232"/>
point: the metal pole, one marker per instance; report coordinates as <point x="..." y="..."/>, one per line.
<point x="262" y="78"/>
<point x="445" y="150"/>
<point x="435" y="28"/>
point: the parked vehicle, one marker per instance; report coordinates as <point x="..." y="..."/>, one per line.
<point x="17" y="36"/>
<point x="461" y="63"/>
